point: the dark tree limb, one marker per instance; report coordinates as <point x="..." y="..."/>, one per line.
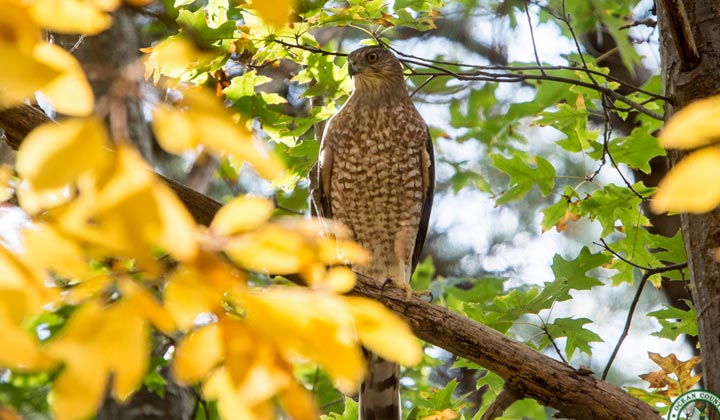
<point x="504" y="400"/>
<point x="574" y="393"/>
<point x="528" y="373"/>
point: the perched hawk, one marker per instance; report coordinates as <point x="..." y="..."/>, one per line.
<point x="376" y="176"/>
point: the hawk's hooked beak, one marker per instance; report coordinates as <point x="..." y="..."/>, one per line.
<point x="353" y="68"/>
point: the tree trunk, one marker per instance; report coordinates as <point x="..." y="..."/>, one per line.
<point x="690" y="51"/>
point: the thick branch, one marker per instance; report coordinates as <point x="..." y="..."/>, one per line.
<point x="528" y="373"/>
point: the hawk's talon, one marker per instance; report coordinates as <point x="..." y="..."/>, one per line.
<point x="384" y="285"/>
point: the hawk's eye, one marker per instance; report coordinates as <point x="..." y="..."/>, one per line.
<point x="372" y="57"/>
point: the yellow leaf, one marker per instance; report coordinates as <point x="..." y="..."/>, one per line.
<point x="675" y="377"/>
<point x="340" y="279"/>
<point x="20" y="350"/>
<point x="35" y="201"/>
<point x="271" y="249"/>
<point x="274" y="12"/>
<point x="30" y="293"/>
<point x="186" y="301"/>
<point x="692" y="185"/>
<point x="173" y="57"/>
<point x="130" y="337"/>
<point x="18" y="25"/>
<point x="72" y="16"/>
<point x="178" y="226"/>
<point x="299" y="403"/>
<point x="147" y="306"/>
<point x="253" y="372"/>
<point x="230" y="404"/>
<point x="91" y="288"/>
<point x="54" y="155"/>
<point x="95" y="342"/>
<point x="383" y="332"/>
<point x="175" y="131"/>
<point x="341" y="251"/>
<point x="21" y="74"/>
<point x="200" y="288"/>
<point x="197" y="354"/>
<point x="70" y="92"/>
<point x="696" y="125"/>
<point x="78" y="390"/>
<point x="446" y="414"/>
<point x="131" y="214"/>
<point x="209" y="123"/>
<point x="50" y="249"/>
<point x="241" y="214"/>
<point x="311" y="325"/>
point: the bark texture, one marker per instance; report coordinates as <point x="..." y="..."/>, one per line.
<point x="690" y="51"/>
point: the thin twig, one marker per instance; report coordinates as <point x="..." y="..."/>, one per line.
<point x="517" y="78"/>
<point x="607" y="248"/>
<point x="648" y="273"/>
<point x="511" y="75"/>
<point x="649" y="22"/>
<point x="532" y="37"/>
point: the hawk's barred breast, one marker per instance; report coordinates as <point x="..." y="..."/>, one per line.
<point x="377" y="184"/>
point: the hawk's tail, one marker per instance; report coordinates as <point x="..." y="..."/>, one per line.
<point x="380" y="391"/>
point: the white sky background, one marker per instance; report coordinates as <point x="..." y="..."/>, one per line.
<point x="470" y="217"/>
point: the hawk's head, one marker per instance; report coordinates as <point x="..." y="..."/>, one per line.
<point x="373" y="67"/>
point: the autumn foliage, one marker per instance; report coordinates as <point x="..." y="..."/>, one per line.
<point x="110" y="246"/>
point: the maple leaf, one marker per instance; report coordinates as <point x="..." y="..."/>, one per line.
<point x="675" y="377"/>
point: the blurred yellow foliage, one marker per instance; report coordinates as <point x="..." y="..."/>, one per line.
<point x="275" y="12"/>
<point x="206" y="122"/>
<point x="109" y="239"/>
<point x="29" y="64"/>
<point x="92" y="200"/>
<point x="691" y="185"/>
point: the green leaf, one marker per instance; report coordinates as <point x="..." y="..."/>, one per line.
<point x="578" y="337"/>
<point x="637" y="150"/>
<point x="675" y="321"/>
<point x="197" y="25"/>
<point x="524" y="175"/>
<point x="569" y="275"/>
<point x="614" y="203"/>
<point x="350" y="413"/>
<point x="571" y="121"/>
<point x="423" y="275"/>
<point x="655" y="399"/>
<point x="553" y="214"/>
<point x="526" y="408"/>
<point x="573" y="274"/>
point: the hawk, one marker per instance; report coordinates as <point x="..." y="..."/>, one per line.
<point x="376" y="176"/>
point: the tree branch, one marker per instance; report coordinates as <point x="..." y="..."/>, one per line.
<point x="528" y="373"/>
